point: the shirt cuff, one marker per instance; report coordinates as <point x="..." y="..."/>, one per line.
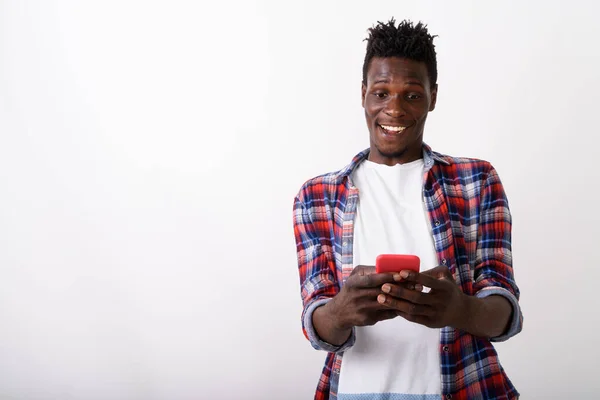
<point x="314" y="338"/>
<point x="516" y="323"/>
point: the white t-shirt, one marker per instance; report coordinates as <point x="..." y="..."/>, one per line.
<point x="394" y="359"/>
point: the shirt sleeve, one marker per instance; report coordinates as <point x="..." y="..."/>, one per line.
<point x="493" y="267"/>
<point x="317" y="271"/>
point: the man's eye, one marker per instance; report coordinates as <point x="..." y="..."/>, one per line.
<point x="380" y="95"/>
<point x="413" y="97"/>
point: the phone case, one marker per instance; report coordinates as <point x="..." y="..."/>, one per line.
<point x="397" y="263"/>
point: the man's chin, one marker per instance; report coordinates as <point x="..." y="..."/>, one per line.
<point x="392" y="152"/>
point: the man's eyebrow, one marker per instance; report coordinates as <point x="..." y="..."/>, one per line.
<point x="382" y="80"/>
<point x="387" y="80"/>
<point x="415" y="83"/>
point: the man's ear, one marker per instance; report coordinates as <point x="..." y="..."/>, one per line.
<point x="434" y="91"/>
<point x="363" y="93"/>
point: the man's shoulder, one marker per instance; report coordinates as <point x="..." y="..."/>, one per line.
<point x="463" y="166"/>
<point x="330" y="183"/>
<point x="320" y="185"/>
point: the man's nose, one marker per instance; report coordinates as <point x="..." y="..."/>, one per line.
<point x="395" y="107"/>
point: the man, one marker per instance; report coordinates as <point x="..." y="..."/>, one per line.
<point x="406" y="335"/>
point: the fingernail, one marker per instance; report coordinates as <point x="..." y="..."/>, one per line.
<point x="386" y="288"/>
<point x="397" y="277"/>
<point x="404" y="274"/>
<point x="381" y="298"/>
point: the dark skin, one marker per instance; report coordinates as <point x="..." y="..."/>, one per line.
<point x="445" y="304"/>
<point x="368" y="297"/>
<point x="356" y="304"/>
<point x="398" y="94"/>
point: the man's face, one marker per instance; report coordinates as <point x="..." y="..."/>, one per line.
<point x="397" y="98"/>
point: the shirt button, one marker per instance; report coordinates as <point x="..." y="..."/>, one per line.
<point x="446" y="348"/>
<point x="448" y="396"/>
<point x="345" y="244"/>
<point x="437" y="223"/>
<point x="444" y="261"/>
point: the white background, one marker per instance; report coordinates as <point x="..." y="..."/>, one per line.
<point x="149" y="156"/>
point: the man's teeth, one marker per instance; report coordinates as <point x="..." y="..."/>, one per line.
<point x="393" y="128"/>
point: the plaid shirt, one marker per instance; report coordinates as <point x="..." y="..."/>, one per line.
<point x="471" y="225"/>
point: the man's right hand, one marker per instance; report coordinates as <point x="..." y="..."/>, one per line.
<point x="355" y="305"/>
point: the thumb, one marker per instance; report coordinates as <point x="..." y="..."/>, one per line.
<point x="439" y="272"/>
<point x="362" y="270"/>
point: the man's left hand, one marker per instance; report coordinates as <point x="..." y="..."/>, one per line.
<point x="444" y="305"/>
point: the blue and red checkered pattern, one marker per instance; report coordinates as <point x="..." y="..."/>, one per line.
<point x="471" y="226"/>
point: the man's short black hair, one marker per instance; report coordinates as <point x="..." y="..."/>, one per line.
<point x="406" y="41"/>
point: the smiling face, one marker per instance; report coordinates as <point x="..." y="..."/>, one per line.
<point x="397" y="98"/>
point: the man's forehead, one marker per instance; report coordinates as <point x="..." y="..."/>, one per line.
<point x="391" y="68"/>
<point x="389" y="75"/>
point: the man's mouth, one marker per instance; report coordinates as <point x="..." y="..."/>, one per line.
<point x="391" y="129"/>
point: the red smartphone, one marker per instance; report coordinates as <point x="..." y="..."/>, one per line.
<point x="397" y="263"/>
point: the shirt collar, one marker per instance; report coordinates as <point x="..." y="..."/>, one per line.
<point x="429" y="158"/>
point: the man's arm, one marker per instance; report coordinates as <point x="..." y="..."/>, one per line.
<point x="317" y="273"/>
<point x="493" y="312"/>
<point x="330" y="312"/>
<point x="324" y="322"/>
<point x="493" y="275"/>
<point x="488" y="317"/>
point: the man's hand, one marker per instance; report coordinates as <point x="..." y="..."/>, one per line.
<point x="355" y="305"/>
<point x="444" y="305"/>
